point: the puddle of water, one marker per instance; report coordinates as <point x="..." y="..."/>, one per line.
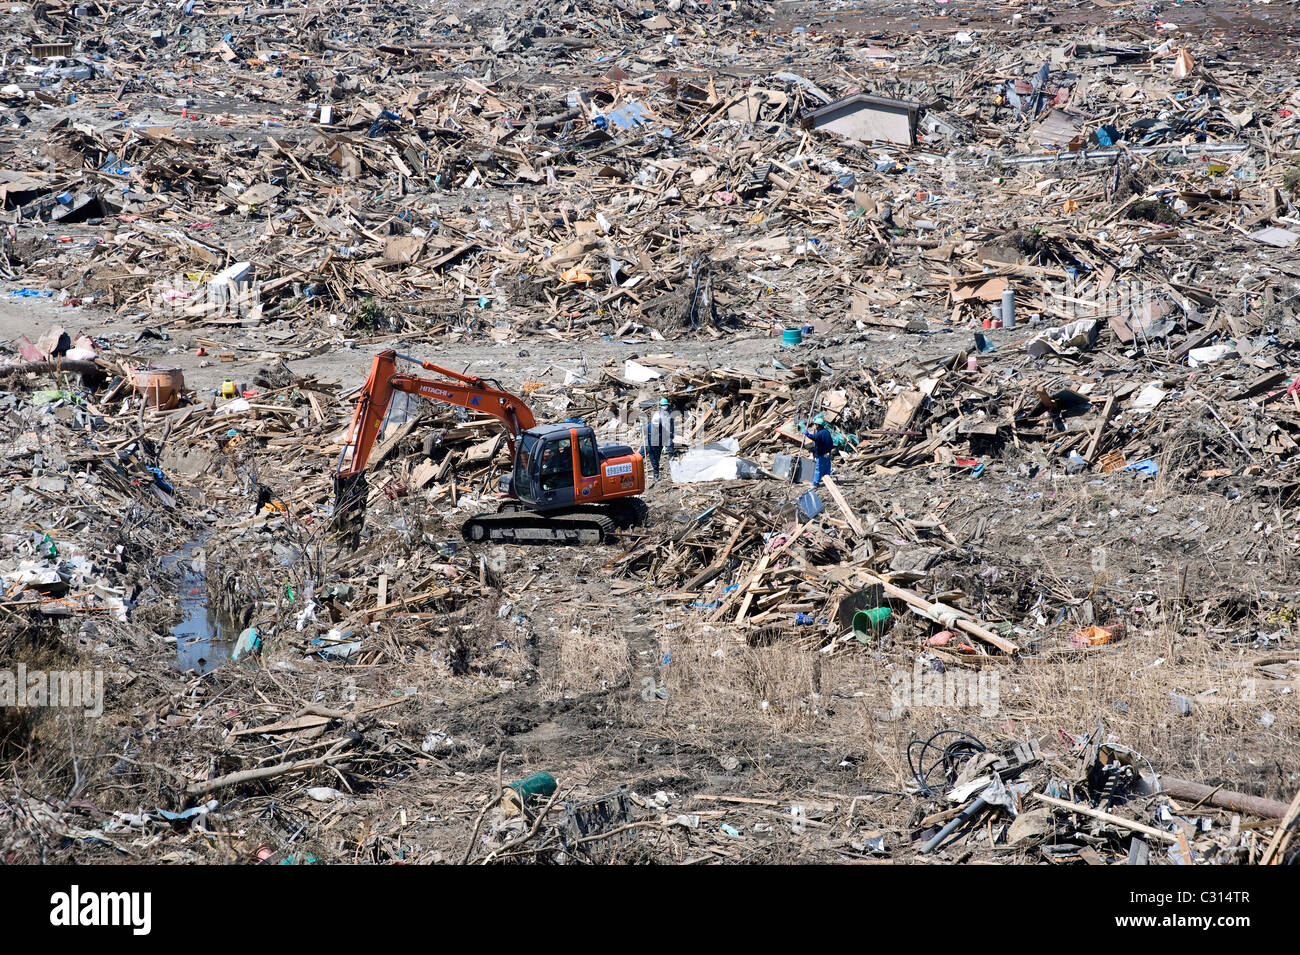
<point x="204" y="637"/>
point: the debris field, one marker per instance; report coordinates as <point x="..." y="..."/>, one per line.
<point x="1035" y="267"/>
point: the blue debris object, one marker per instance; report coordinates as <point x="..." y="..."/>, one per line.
<point x="1039" y="82"/>
<point x="161" y="479"/>
<point x="1144" y="467"/>
<point x="387" y="122"/>
<point x="203" y="810"/>
<point x="810" y="505"/>
<point x="249" y="642"/>
<point x="628" y="116"/>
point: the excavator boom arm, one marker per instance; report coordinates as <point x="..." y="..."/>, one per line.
<point x="453" y="388"/>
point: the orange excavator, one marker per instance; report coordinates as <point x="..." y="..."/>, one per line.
<point x="563" y="487"/>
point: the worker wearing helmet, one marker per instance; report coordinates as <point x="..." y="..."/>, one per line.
<point x="659" y="434"/>
<point x="823" y="444"/>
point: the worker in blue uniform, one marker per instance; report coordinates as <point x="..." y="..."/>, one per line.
<point x="823" y="445"/>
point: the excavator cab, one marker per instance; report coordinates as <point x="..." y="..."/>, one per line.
<point x="561" y="465"/>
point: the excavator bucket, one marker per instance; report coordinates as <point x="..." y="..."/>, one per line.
<point x="350" y="493"/>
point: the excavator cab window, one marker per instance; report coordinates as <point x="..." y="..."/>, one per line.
<point x="528" y="450"/>
<point x="587" y="456"/>
<point x="557" y="464"/>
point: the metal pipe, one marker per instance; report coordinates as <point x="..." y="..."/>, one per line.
<point x="966" y="814"/>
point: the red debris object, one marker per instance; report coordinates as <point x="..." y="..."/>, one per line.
<point x="1097" y="636"/>
<point x="28" y="351"/>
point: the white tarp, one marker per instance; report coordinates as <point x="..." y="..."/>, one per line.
<point x="638" y="373"/>
<point x="712" y="462"/>
<point x="1210" y="354"/>
<point x="1076" y="336"/>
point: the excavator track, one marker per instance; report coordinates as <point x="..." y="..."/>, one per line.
<point x="628" y="512"/>
<point x="625" y="512"/>
<point x="529" y="527"/>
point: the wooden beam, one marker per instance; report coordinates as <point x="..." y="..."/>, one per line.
<point x="948" y="616"/>
<point x="1282" y="835"/>
<point x="1114" y="820"/>
<point x="843" y="505"/>
<point x="1106" y="412"/>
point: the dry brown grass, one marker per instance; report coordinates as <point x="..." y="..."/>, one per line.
<point x="1129" y="687"/>
<point x="714" y="673"/>
<point x="586" y="659"/>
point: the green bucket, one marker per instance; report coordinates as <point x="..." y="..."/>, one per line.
<point x="792" y="336"/>
<point x="528" y="793"/>
<point x="868" y="622"/>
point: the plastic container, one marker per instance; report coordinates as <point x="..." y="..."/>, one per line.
<point x="810" y="505"/>
<point x="868" y="622"/>
<point x="527" y="793"/>
<point x="792" y="336"/>
<point x="1009" y="308"/>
